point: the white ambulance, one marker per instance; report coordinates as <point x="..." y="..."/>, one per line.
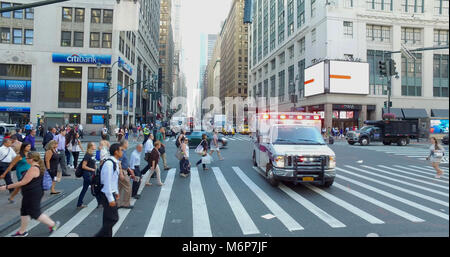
<point x="289" y="147"/>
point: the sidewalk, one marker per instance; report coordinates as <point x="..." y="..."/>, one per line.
<point x="85" y="139"/>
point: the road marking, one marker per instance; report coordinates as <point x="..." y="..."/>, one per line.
<point x="281" y="215"/>
<point x="123" y="213"/>
<point x="327" y="218"/>
<point x="201" y="225"/>
<point x="421" y="176"/>
<point x="351" y="208"/>
<point x="379" y="204"/>
<point x="413" y="179"/>
<point x="243" y="218"/>
<point x="156" y="224"/>
<point x="54" y="208"/>
<point x="400" y="199"/>
<point x="417" y="170"/>
<point x="430" y="171"/>
<point x="431" y="199"/>
<point x="75" y="220"/>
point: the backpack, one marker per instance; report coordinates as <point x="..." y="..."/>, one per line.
<point x="79" y="170"/>
<point x="96" y="183"/>
<point x="176" y="141"/>
<point x="47" y="181"/>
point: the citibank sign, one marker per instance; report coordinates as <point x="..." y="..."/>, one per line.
<point x="81" y="58"/>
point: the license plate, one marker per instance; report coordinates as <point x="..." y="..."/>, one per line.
<point x="308" y="179"/>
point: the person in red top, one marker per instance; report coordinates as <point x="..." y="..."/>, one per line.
<point x="154" y="158"/>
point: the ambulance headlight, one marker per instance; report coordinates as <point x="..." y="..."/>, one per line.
<point x="279" y="161"/>
<point x="332" y="162"/>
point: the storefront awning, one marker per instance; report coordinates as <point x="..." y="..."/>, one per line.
<point x="441" y="113"/>
<point x="414" y="113"/>
<point x="397" y="111"/>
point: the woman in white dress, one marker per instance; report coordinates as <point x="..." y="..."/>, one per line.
<point x="103" y="146"/>
<point x="215" y="145"/>
<point x="435" y="156"/>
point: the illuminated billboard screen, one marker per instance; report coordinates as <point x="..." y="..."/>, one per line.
<point x="438" y="126"/>
<point x="349" y="77"/>
<point x="314" y="79"/>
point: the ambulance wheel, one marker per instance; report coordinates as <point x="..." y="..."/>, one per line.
<point x="254" y="159"/>
<point x="328" y="183"/>
<point x="270" y="177"/>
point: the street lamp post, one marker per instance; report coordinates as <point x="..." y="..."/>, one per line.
<point x="108" y="83"/>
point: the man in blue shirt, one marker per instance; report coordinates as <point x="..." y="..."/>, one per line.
<point x="31" y="139"/>
<point x="124" y="181"/>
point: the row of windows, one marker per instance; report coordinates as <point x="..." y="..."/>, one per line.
<point x="77" y="15"/>
<point x="17" y="36"/>
<point x="27" y="14"/>
<point x="76" y="39"/>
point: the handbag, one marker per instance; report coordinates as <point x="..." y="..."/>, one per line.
<point x="179" y="154"/>
<point x="199" y="149"/>
<point x="206" y="159"/>
<point x="46" y="181"/>
<point x="97" y="155"/>
<point x="79" y="170"/>
<point x="438" y="154"/>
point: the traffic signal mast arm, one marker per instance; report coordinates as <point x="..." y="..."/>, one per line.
<point x="128" y="87"/>
<point x="26" y="6"/>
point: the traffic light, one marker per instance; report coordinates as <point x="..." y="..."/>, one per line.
<point x="385" y="104"/>
<point x="382" y="68"/>
<point x="392" y="68"/>
<point x="108" y="77"/>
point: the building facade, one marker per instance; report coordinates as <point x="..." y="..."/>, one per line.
<point x="288" y="36"/>
<point x="55" y="70"/>
<point x="233" y="54"/>
<point x="166" y="58"/>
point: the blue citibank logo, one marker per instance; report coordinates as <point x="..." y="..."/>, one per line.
<point x="125" y="66"/>
<point x="81" y="58"/>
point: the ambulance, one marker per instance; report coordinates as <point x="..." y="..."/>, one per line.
<point x="289" y="147"/>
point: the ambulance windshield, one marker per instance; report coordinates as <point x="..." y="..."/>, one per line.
<point x="297" y="135"/>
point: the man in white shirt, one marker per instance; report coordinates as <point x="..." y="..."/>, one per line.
<point x="135" y="162"/>
<point x="109" y="177"/>
<point x="7" y="154"/>
<point x="148" y="147"/>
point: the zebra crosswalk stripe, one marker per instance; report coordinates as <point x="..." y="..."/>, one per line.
<point x="327" y="218"/>
<point x="400" y="199"/>
<point x="401" y="182"/>
<point x="201" y="225"/>
<point x="421" y="176"/>
<point x="243" y="218"/>
<point x="417" y="170"/>
<point x="410" y="178"/>
<point x="349" y="207"/>
<point x="284" y="217"/>
<point x="155" y="226"/>
<point x="372" y="200"/>
<point x="431" y="199"/>
<point x="429" y="170"/>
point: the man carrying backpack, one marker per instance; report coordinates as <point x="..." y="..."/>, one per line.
<point x="109" y="179"/>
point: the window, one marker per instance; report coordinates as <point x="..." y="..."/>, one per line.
<point x="121" y="45"/>
<point x="412" y="5"/>
<point x="29" y="13"/>
<point x="79" y="15"/>
<point x="348" y="29"/>
<point x="69" y="87"/>
<point x="108" y="16"/>
<point x="313" y="36"/>
<point x="378" y="33"/>
<point x="411" y="35"/>
<point x="272" y="25"/>
<point x="78" y="39"/>
<point x="441" y="7"/>
<point x="281" y="85"/>
<point x="290" y="17"/>
<point x="92" y="118"/>
<point x="377" y="84"/>
<point x="66" y="38"/>
<point x="95" y="40"/>
<point x="381" y="5"/>
<point x="291" y="52"/>
<point x="17" y="36"/>
<point x="440" y="37"/>
<point x="348" y="3"/>
<point x="6" y="14"/>
<point x="440" y="75"/>
<point x="5" y="35"/>
<point x="107" y="40"/>
<point x="273" y="64"/>
<point x="18" y="14"/>
<point x="281" y="20"/>
<point x="302" y="46"/>
<point x="96" y="16"/>
<point x="29" y="34"/>
<point x="272" y="86"/>
<point x="67" y="14"/>
<point x="282" y="58"/>
<point x="300" y="13"/>
<point x="301" y="76"/>
<point x="291" y="80"/>
<point x="412" y="76"/>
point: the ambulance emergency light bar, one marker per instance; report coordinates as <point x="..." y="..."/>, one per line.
<point x="266" y="120"/>
<point x="281" y="117"/>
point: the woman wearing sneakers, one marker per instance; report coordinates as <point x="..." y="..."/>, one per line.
<point x="32" y="192"/>
<point x="435" y="156"/>
<point x="51" y="160"/>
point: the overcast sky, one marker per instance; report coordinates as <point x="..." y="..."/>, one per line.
<point x="199" y="16"/>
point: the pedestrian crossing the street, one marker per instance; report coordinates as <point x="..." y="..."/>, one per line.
<point x="420" y="153"/>
<point x="405" y="193"/>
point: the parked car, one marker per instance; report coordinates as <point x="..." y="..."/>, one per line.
<point x="445" y="140"/>
<point x="6" y="128"/>
<point x="195" y="138"/>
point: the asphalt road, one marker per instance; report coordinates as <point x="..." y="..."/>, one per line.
<point x="376" y="191"/>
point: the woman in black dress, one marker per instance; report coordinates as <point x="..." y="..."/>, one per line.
<point x="32" y="192"/>
<point x="51" y="159"/>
